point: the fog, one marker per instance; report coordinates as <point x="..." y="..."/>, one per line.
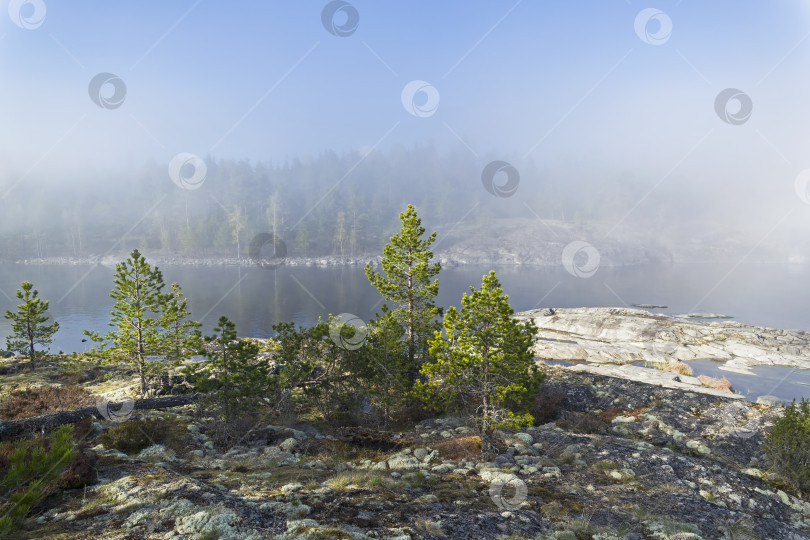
<point x="305" y="117"/>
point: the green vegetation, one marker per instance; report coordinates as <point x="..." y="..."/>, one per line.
<point x="146" y="321"/>
<point x="402" y="333"/>
<point x="29" y="471"/>
<point x="484" y="364"/>
<point x="28" y="325"/>
<point x="787" y="445"/>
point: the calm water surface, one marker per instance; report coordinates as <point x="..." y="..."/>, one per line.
<point x="255" y="298"/>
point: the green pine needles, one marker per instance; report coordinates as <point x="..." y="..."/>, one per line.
<point x="484" y="364"/>
<point x="787" y="445"/>
<point x="28" y="325"/>
<point x="146" y="321"/>
<point x="409" y="283"/>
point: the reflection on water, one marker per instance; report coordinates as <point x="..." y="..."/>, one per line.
<point x="255" y="298"/>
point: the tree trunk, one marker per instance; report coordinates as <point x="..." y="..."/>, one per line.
<point x="47" y="422"/>
<point x="31" y="353"/>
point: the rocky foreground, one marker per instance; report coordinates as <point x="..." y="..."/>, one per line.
<point x="613" y="459"/>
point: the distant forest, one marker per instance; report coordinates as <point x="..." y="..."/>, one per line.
<point x="339" y="205"/>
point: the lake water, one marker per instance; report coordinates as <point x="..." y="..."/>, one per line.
<point x="256" y="298"/>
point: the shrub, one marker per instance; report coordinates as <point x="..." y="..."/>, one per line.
<point x="547" y="403"/>
<point x="787" y="445"/>
<point x="582" y="422"/>
<point x="717" y="384"/>
<point x="29" y="471"/>
<point x="44" y="400"/>
<point x="134" y="435"/>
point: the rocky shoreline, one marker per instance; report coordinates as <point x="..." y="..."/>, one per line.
<point x="626" y="336"/>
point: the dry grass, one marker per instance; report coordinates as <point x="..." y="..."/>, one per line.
<point x="44" y="400"/>
<point x="362" y="479"/>
<point x="717" y="384"/>
<point x="460" y="447"/>
<point x="676" y="366"/>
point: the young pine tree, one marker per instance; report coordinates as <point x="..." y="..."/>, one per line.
<point x="408" y="282"/>
<point x="484" y="363"/>
<point x="28" y="325"/>
<point x="181" y="334"/>
<point x="235" y="377"/>
<point x="136" y="313"/>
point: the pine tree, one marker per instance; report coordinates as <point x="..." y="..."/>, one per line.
<point x="28" y="325"/>
<point x="180" y="333"/>
<point x="408" y="282"/>
<point x="234" y="375"/>
<point x="484" y="363"/>
<point x="139" y="302"/>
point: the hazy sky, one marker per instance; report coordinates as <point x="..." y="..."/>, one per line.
<point x="579" y="88"/>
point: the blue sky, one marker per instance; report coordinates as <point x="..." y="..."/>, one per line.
<point x="566" y="84"/>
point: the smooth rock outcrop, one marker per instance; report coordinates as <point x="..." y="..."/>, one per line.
<point x="624" y="336"/>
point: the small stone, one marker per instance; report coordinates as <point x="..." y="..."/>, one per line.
<point x="552" y="472"/>
<point x="771" y="401"/>
<point x="446" y="434"/>
<point x="288" y="444"/>
<point x="507" y="515"/>
<point x="291" y="488"/>
<point x="525" y="438"/>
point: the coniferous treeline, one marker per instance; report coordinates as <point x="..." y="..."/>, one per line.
<point x="327" y="205"/>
